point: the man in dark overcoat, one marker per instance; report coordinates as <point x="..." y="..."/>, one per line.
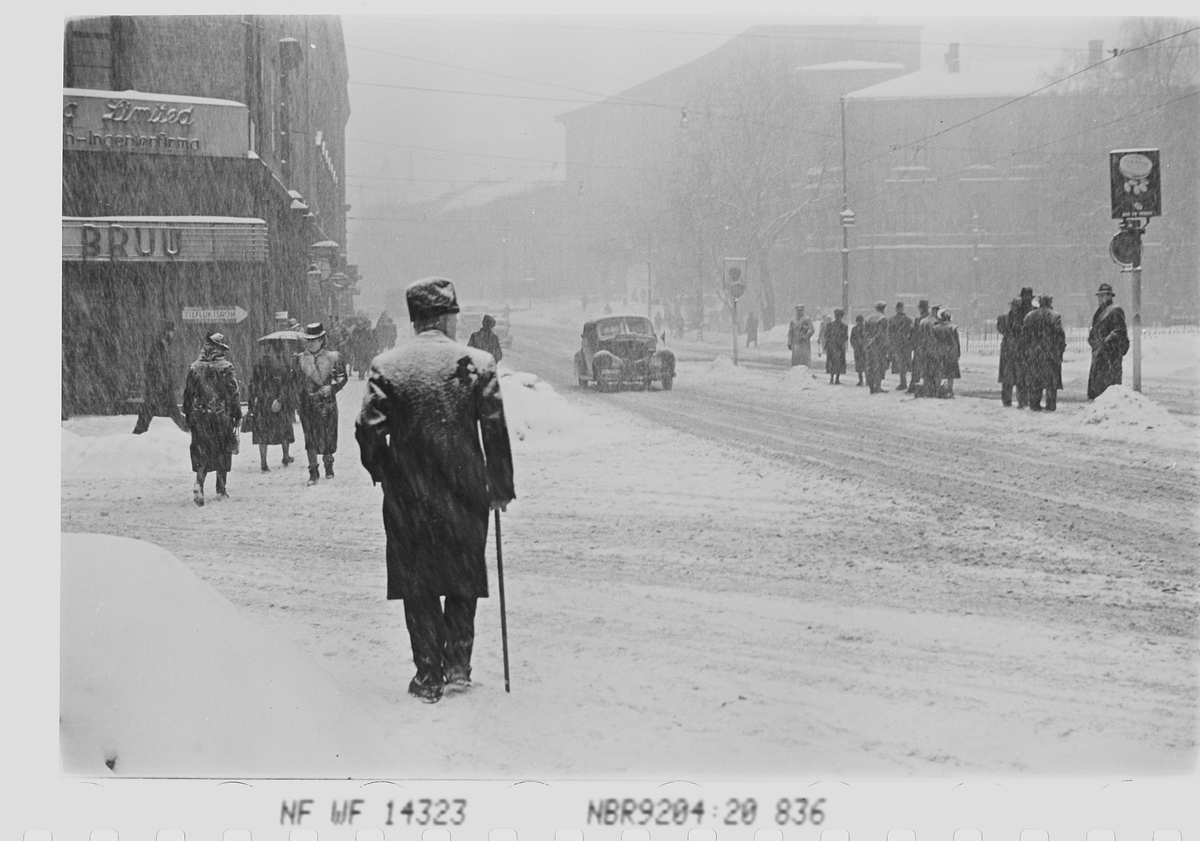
<point x="900" y="341"/>
<point x="1046" y="342"/>
<point x="919" y="346"/>
<point x="1109" y="341"/>
<point x="321" y="376"/>
<point x="1019" y="356"/>
<point x="875" y="340"/>
<point x="158" y="396"/>
<point x="1006" y="327"/>
<point x="485" y="339"/>
<point x="432" y="431"/>
<point x="859" y="348"/>
<point x="385" y="332"/>
<point x="835" y="347"/>
<point x="213" y="409"/>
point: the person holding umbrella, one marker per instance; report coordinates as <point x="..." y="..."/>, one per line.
<point x="432" y="432"/>
<point x="322" y="376"/>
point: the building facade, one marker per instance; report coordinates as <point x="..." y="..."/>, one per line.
<point x="203" y="184"/>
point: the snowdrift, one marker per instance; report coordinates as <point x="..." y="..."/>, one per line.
<point x="533" y="408"/>
<point x="163" y="676"/>
<point x="1120" y="406"/>
<point x="162" y="448"/>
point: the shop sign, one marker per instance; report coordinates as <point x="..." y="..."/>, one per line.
<point x="214" y="315"/>
<point x="130" y="122"/>
<point x="164" y="239"/>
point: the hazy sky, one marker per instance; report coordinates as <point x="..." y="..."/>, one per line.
<point x="560" y="64"/>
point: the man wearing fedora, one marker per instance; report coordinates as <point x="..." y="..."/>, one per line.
<point x="1109" y="341"/>
<point x="432" y="431"/>
<point x="322" y="376"/>
<point x="213" y="409"/>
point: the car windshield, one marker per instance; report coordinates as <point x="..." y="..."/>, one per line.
<point x="632" y="324"/>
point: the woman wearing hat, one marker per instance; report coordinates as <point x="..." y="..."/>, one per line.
<point x="213" y="408"/>
<point x="322" y="376"/>
<point x="1110" y="342"/>
<point x="835" y="348"/>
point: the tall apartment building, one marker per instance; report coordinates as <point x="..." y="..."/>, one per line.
<point x="203" y="184"/>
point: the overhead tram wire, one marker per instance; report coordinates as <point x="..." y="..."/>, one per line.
<point x="923" y="140"/>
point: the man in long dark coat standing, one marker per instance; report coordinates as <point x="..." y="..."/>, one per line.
<point x="875" y="339"/>
<point x="429" y="404"/>
<point x="322" y="375"/>
<point x="900" y="342"/>
<point x="1007" y="375"/>
<point x="213" y="409"/>
<point x="918" y="348"/>
<point x="1046" y="343"/>
<point x="158" y="397"/>
<point x="835" y="348"/>
<point x="1109" y="341"/>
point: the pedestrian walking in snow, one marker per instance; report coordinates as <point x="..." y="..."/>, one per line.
<point x="1109" y="341"/>
<point x="213" y="410"/>
<point x="322" y="376"/>
<point x="900" y="341"/>
<point x="875" y="342"/>
<point x="158" y="394"/>
<point x="920" y="347"/>
<point x="859" y="347"/>
<point x="752" y="329"/>
<point x="485" y="339"/>
<point x="429" y="405"/>
<point x="800" y="332"/>
<point x="273" y="401"/>
<point x="945" y="356"/>
<point x="1047" y="342"/>
<point x="385" y="332"/>
<point x="835" y="348"/>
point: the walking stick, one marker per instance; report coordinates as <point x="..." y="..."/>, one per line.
<point x="503" y="618"/>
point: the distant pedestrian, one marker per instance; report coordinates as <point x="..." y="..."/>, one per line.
<point x="158" y="392"/>
<point x="273" y="401"/>
<point x="946" y="352"/>
<point x="835" y="348"/>
<point x="821" y="334"/>
<point x="1047" y="342"/>
<point x="213" y="410"/>
<point x="322" y="375"/>
<point x="858" y="345"/>
<point x="1020" y="355"/>
<point x="485" y="339"/>
<point x="1007" y="376"/>
<point x="875" y="341"/>
<point x="800" y="332"/>
<point x="432" y="431"/>
<point x="1109" y="341"/>
<point x="385" y="332"/>
<point x="924" y="342"/>
<point x="900" y="341"/>
<point x="920" y="346"/>
<point x="752" y="329"/>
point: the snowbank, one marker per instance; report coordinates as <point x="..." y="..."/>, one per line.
<point x="162" y="448"/>
<point x="533" y="408"/>
<point x="800" y="376"/>
<point x="1123" y="407"/>
<point x="161" y="675"/>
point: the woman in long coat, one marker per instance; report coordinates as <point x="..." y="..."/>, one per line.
<point x="213" y="409"/>
<point x="859" y="345"/>
<point x="945" y="352"/>
<point x="835" y="348"/>
<point x="273" y="401"/>
<point x="800" y="332"/>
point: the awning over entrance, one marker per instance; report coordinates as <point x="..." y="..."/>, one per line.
<point x="164" y="239"/>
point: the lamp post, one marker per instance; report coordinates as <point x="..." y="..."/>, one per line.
<point x="847" y="219"/>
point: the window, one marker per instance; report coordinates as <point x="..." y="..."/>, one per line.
<point x="90" y="53"/>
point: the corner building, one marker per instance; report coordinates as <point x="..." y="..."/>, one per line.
<point x="203" y="181"/>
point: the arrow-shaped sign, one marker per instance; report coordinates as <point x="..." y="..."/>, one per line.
<point x="215" y="315"/>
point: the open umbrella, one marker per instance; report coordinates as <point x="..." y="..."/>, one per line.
<point x="284" y="336"/>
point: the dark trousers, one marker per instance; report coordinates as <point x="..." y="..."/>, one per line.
<point x="1006" y="395"/>
<point x="442" y="638"/>
<point x="147" y="412"/>
<point x="1035" y="399"/>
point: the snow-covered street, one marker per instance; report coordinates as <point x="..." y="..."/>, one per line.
<point x="753" y="574"/>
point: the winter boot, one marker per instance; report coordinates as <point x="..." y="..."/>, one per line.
<point x="329" y="469"/>
<point x="221" y="487"/>
<point x="458" y="678"/>
<point x="313" y="475"/>
<point x="198" y="492"/>
<point x="429" y="693"/>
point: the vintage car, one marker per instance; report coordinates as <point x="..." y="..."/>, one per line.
<point x="623" y="349"/>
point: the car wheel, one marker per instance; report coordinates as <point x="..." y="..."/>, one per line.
<point x="666" y="383"/>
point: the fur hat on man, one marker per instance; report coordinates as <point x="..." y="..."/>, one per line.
<point x="429" y="298"/>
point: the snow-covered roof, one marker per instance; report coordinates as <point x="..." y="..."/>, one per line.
<point x="151" y="97"/>
<point x="978" y="78"/>
<point x="855" y="64"/>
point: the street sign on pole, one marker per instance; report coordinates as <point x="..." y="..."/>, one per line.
<point x="1135" y="183"/>
<point x="214" y="315"/>
<point x="735" y="287"/>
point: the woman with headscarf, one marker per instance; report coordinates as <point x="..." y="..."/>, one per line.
<point x="213" y="409"/>
<point x="485" y="339"/>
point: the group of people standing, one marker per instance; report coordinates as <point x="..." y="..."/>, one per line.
<point x="925" y="349"/>
<point x="1032" y="345"/>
